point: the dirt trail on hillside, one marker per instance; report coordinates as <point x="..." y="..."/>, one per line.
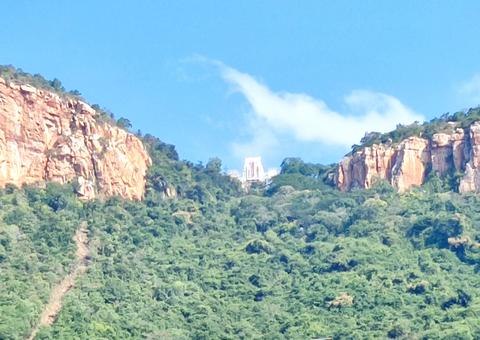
<point x="54" y="304"/>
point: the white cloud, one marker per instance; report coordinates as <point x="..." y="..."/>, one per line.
<point x="470" y="90"/>
<point x="311" y="120"/>
<point x="263" y="140"/>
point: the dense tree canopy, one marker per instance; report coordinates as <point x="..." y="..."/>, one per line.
<point x="200" y="258"/>
<point x="297" y="261"/>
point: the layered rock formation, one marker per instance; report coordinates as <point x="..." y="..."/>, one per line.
<point x="407" y="163"/>
<point x="44" y="137"/>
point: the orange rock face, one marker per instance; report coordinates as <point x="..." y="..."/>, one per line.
<point x="44" y="137"/>
<point x="471" y="179"/>
<point x="407" y="163"/>
<point x="402" y="165"/>
<point x="411" y="163"/>
<point x="362" y="168"/>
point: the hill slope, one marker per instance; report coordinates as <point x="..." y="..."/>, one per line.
<point x="199" y="258"/>
<point x="298" y="264"/>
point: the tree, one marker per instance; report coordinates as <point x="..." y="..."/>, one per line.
<point x="214" y="165"/>
<point x="124" y="123"/>
<point x="57" y="85"/>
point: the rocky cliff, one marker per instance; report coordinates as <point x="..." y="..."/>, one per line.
<point x="407" y="163"/>
<point x="44" y="137"/>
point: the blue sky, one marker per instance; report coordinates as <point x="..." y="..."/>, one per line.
<point x="273" y="78"/>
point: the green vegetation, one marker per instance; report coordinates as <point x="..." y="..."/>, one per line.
<point x="199" y="258"/>
<point x="297" y="260"/>
<point x="18" y="76"/>
<point x="36" y="251"/>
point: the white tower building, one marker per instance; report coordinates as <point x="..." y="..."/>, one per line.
<point x="253" y="170"/>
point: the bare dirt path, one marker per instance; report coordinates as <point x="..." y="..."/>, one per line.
<point x="54" y="305"/>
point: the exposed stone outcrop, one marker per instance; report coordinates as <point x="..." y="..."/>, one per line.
<point x="44" y="137"/>
<point x="342" y="300"/>
<point x="411" y="163"/>
<point x="407" y="163"/>
<point x="403" y="165"/>
<point x="471" y="179"/>
<point x="459" y="241"/>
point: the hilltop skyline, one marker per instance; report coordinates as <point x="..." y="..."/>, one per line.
<point x="304" y="83"/>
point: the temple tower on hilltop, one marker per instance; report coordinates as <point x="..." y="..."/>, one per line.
<point x="253" y="170"/>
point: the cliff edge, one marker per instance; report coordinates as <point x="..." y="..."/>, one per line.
<point x="45" y="137"/>
<point x="407" y="163"/>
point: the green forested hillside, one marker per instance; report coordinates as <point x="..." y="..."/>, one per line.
<point x="295" y="260"/>
<point x="36" y="251"/>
